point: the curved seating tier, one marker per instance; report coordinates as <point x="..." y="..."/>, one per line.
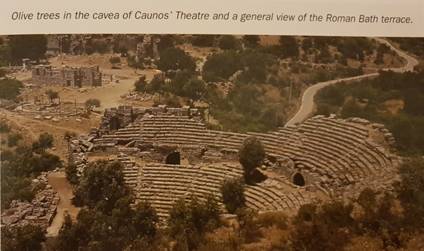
<point x="341" y="151"/>
<point x="162" y="185"/>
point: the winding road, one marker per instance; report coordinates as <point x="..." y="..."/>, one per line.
<point x="308" y="104"/>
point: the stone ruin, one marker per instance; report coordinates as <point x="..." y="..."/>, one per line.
<point x="67" y="76"/>
<point x="170" y="155"/>
<point x="40" y="211"/>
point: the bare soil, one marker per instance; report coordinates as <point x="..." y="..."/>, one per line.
<point x="61" y="185"/>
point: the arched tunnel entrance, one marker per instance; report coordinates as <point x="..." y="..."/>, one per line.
<point x="298" y="179"/>
<point x="173" y="158"/>
<point x="114" y="123"/>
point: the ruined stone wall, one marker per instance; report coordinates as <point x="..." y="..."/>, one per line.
<point x="67" y="76"/>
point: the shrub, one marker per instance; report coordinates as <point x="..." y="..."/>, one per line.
<point x="92" y="102"/>
<point x="45" y="141"/>
<point x="278" y="219"/>
<point x="233" y="195"/>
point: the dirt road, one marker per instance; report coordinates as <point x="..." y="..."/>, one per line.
<point x="61" y="185"/>
<point x="307" y="106"/>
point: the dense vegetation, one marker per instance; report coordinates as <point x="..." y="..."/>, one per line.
<point x="107" y="220"/>
<point x="251" y="156"/>
<point x="413" y="45"/>
<point x="233" y="195"/>
<point x="10" y="88"/>
<point x="22" y="238"/>
<point x="24" y="46"/>
<point x="20" y="164"/>
<point x="394" y="99"/>
<point x="261" y="80"/>
<point x="188" y="222"/>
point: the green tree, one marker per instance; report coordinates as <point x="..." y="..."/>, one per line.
<point x="194" y="89"/>
<point x="251" y="41"/>
<point x="289" y="46"/>
<point x="145" y="220"/>
<point x="5" y="55"/>
<point x="10" y="88"/>
<point x="140" y="84"/>
<point x="45" y="141"/>
<point x="228" y="42"/>
<point x="323" y="228"/>
<point x="22" y="238"/>
<point x="52" y="95"/>
<point x="411" y="191"/>
<point x="27" y="46"/>
<point x="71" y="172"/>
<point x="221" y="66"/>
<point x="101" y="186"/>
<point x="233" y="195"/>
<point x="203" y="40"/>
<point x="307" y="44"/>
<point x="175" y="59"/>
<point x="166" y="41"/>
<point x="251" y="155"/>
<point x="15" y="188"/>
<point x="189" y="222"/>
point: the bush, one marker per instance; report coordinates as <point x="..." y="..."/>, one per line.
<point x="92" y="102"/>
<point x="13" y="139"/>
<point x="233" y="195"/>
<point x="45" y="141"/>
<point x="72" y="174"/>
<point x="115" y="60"/>
<point x="249" y="228"/>
<point x="278" y="219"/>
<point x="140" y="84"/>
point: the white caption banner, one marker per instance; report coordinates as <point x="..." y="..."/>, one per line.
<point x="403" y="18"/>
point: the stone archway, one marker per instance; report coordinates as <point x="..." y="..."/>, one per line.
<point x="173" y="158"/>
<point x="298" y="179"/>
